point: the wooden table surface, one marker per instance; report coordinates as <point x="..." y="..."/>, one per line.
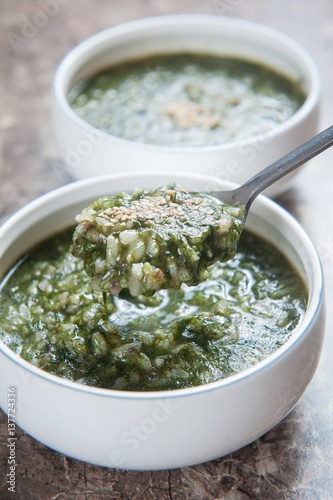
<point x="295" y="459"/>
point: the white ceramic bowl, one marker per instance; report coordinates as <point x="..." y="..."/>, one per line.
<point x="87" y="151"/>
<point x="167" y="429"/>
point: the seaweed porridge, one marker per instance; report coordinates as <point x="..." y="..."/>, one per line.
<point x="187" y="100"/>
<point x="55" y="317"/>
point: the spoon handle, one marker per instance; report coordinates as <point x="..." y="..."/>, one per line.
<point x="250" y="189"/>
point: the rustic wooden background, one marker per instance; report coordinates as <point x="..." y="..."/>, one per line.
<point x="295" y="459"/>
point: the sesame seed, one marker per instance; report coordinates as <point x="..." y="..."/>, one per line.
<point x="154" y="207"/>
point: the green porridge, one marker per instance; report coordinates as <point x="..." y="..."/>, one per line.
<point x="245" y="310"/>
<point x="155" y="239"/>
<point x="187" y="100"/>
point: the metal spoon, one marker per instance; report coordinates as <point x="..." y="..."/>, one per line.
<point x="247" y="192"/>
<point x="121" y="251"/>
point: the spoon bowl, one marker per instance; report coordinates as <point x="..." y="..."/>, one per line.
<point x="166" y="237"/>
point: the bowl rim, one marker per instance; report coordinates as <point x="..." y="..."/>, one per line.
<point x="316" y="300"/>
<point x="78" y="52"/>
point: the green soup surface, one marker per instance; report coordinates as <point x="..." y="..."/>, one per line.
<point x="246" y="309"/>
<point x="187" y="100"/>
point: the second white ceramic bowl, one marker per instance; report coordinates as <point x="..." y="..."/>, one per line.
<point x="86" y="151"/>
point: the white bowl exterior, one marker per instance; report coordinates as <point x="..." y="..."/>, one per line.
<point x="89" y="152"/>
<point x="147" y="431"/>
